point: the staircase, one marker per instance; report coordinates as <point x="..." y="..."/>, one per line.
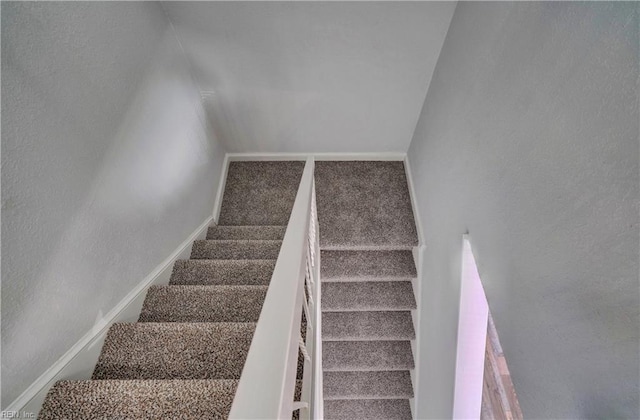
<point x="184" y="356"/>
<point x="367" y="232"/>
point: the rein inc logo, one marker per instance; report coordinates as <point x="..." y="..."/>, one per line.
<point x="17" y="415"/>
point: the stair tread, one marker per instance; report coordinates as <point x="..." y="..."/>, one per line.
<point x="137" y="399"/>
<point x="389" y="409"/>
<point x="222" y="272"/>
<point x="367" y="385"/>
<point x="260" y="192"/>
<point x="246" y="232"/>
<point x="203" y="304"/>
<point x="366" y="355"/>
<point x="174" y="351"/>
<point x="368" y="296"/>
<point x="235" y="249"/>
<point x="367" y="264"/>
<point x="367" y="325"/>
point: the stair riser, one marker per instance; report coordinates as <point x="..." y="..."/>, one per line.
<point x="222" y="272"/>
<point x="236" y="250"/>
<point x="368" y="296"/>
<point x="203" y="304"/>
<point x="366" y="356"/>
<point x="367" y="264"/>
<point x="246" y="232"/>
<point x="363" y="325"/>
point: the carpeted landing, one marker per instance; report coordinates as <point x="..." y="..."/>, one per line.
<point x="184" y="356"/>
<point x="367" y="232"/>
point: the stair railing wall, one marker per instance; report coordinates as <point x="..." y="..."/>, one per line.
<point x="267" y="386"/>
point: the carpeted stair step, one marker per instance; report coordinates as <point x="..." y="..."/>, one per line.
<point x="203" y="304"/>
<point x="260" y="192"/>
<point x="148" y="350"/>
<point x="368" y="296"/>
<point x="246" y="232"/>
<point x="367" y="410"/>
<point x="367" y="265"/>
<point x="394" y="325"/>
<point x="366" y="355"/>
<point x="367" y="385"/>
<point x="222" y="272"/>
<point x="364" y="204"/>
<point x="236" y="249"/>
<point x="139" y="399"/>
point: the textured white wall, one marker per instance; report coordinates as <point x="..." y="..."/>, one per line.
<point x="313" y="76"/>
<point x="529" y="139"/>
<point x="107" y="166"/>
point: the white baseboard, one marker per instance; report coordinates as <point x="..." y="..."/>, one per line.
<point x="79" y="361"/>
<point x="414" y="202"/>
<point x="316" y="156"/>
<point x="217" y="204"/>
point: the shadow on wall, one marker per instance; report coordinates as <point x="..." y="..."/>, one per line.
<point x="153" y="187"/>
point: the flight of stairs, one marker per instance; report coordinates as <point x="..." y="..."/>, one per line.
<point x="184" y="356"/>
<point x="367" y="233"/>
<point x="367" y="330"/>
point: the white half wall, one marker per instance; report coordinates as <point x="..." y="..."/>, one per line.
<point x="529" y="141"/>
<point x="472" y="338"/>
<point x="108" y="165"/>
<point x="341" y="77"/>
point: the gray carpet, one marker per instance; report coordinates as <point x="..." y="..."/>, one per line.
<point x="234" y="249"/>
<point x="260" y="193"/>
<point x="184" y="356"/>
<point x="222" y="272"/>
<point x="350" y="326"/>
<point x="364" y="204"/>
<point x="390" y="384"/>
<point x="368" y="296"/>
<point x="139" y="399"/>
<point x="203" y="304"/>
<point x="366" y="355"/>
<point x="367" y="265"/>
<point x="367" y="232"/>
<point x="367" y="409"/>
<point x="149" y="350"/>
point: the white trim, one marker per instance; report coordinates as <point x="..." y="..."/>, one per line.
<point x="78" y="362"/>
<point x="391" y="156"/>
<point x="416" y="283"/>
<point x="418" y="257"/>
<point x="414" y="202"/>
<point x="217" y="204"/>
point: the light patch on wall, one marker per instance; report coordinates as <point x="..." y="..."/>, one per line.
<point x="159" y="148"/>
<point x="472" y="338"/>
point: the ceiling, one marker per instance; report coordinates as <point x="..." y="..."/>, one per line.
<point x="312" y="76"/>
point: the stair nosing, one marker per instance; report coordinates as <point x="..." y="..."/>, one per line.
<point x="371" y="309"/>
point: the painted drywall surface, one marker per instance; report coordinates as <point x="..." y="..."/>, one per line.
<point x="313" y="76"/>
<point x="529" y="140"/>
<point x="107" y="166"/>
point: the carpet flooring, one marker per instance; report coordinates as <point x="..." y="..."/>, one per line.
<point x="364" y="205"/>
<point x="184" y="356"/>
<point x="367" y="232"/>
<point x="260" y="193"/>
